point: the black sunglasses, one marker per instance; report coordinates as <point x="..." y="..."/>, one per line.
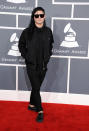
<point x="37" y="15"/>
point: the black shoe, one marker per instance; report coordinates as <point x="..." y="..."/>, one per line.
<point x="39" y="117"/>
<point x="32" y="108"/>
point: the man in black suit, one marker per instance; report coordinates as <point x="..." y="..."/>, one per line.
<point x="35" y="45"/>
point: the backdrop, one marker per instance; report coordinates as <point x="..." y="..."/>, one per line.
<point x="67" y="78"/>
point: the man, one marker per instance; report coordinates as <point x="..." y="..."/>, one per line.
<point x="35" y="45"/>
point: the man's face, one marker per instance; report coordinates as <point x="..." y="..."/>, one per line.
<point x="39" y="19"/>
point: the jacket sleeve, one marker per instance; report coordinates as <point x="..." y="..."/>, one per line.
<point x="51" y="42"/>
<point x="22" y="44"/>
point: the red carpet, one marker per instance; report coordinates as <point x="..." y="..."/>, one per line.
<point x="14" y="116"/>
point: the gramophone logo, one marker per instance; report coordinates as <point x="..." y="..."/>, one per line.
<point x="16" y="1"/>
<point x="14" y="51"/>
<point x="70" y="37"/>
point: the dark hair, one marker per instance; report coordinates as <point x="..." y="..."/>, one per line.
<point x="32" y="23"/>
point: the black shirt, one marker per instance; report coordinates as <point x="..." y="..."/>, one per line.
<point x="39" y="46"/>
<point x="36" y="47"/>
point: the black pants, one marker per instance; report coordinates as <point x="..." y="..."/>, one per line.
<point x="36" y="78"/>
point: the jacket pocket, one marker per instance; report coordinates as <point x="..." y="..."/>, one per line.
<point x="29" y="59"/>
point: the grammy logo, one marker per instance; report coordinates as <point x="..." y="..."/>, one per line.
<point x="70" y="38"/>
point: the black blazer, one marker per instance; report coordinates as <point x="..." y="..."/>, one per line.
<point x="27" y="49"/>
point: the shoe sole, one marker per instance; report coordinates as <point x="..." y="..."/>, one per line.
<point x="39" y="120"/>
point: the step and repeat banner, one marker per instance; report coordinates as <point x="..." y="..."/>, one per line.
<point x="68" y="68"/>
